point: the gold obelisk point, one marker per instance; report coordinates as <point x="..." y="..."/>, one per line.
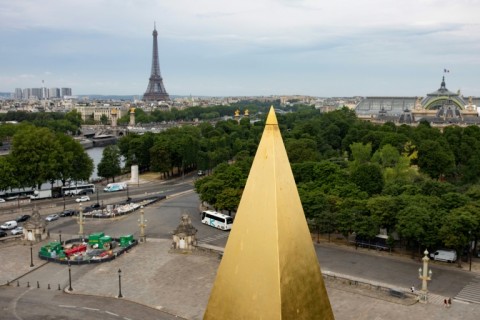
<point x="269" y="269"/>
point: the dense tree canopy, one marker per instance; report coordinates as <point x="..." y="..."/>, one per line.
<point x="353" y="177"/>
<point x="39" y="155"/>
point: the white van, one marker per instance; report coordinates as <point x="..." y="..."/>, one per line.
<point x="9" y="225"/>
<point x="112" y="187"/>
<point x="444" y="255"/>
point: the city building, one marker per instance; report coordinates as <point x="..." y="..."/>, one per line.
<point x="438" y="107"/>
<point x="41" y="93"/>
<point x="92" y="111"/>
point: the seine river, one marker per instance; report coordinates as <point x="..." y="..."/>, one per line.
<point x="96" y="155"/>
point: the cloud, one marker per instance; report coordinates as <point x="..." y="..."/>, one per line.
<point x="103" y="38"/>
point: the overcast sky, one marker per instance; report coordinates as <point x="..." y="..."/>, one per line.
<point x="242" y="47"/>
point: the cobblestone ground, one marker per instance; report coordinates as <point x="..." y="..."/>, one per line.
<point x="180" y="284"/>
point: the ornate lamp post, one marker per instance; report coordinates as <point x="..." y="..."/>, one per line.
<point x="120" y="283"/>
<point x="425" y="275"/>
<point x="142" y="224"/>
<point x="31" y="255"/>
<point x="80" y="220"/>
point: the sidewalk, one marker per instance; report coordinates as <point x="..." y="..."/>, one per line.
<point x="180" y="284"/>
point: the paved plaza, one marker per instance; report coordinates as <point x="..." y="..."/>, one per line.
<point x="180" y="284"/>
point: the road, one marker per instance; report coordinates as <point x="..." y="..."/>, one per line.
<point x="447" y="280"/>
<point x="38" y="304"/>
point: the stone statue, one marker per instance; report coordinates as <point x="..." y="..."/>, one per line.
<point x="418" y="104"/>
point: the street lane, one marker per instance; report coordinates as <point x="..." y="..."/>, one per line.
<point x="35" y="304"/>
<point x="447" y="280"/>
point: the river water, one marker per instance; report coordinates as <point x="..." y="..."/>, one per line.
<point x="96" y="155"/>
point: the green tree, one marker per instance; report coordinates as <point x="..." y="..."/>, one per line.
<point x="8" y="176"/>
<point x="104" y="119"/>
<point x="35" y="153"/>
<point x="435" y="159"/>
<point x="73" y="162"/>
<point x="385" y="209"/>
<point x="368" y="177"/>
<point x="417" y="226"/>
<point x="361" y="153"/>
<point x="228" y="199"/>
<point x="301" y="150"/>
<point x="457" y="228"/>
<point x="109" y="165"/>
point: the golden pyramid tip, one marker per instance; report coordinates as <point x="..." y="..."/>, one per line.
<point x="271" y="118"/>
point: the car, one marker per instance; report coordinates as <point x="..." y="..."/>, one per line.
<point x="23" y="218"/>
<point x="52" y="217"/>
<point x="68" y="213"/>
<point x="2" y="200"/>
<point x="9" y="225"/>
<point x="2" y="234"/>
<point x="200" y="173"/>
<point x="91" y="208"/>
<point x="83" y="199"/>
<point x="17" y="230"/>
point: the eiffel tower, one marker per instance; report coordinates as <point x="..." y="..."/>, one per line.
<point x="155" y="90"/>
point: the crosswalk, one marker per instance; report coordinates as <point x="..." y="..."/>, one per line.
<point x="213" y="238"/>
<point x="471" y="292"/>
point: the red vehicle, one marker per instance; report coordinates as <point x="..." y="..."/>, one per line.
<point x="75" y="249"/>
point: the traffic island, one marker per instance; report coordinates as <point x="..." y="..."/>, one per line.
<point x="96" y="248"/>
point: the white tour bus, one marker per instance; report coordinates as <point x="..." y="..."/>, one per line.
<point x="78" y="189"/>
<point x="217" y="220"/>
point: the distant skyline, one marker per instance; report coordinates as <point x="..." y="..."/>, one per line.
<point x="242" y="48"/>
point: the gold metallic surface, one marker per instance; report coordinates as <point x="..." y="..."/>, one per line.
<point x="269" y="269"/>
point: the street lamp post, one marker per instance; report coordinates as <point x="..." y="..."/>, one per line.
<point x="128" y="195"/>
<point x="60" y="236"/>
<point x="120" y="283"/>
<point x="470" y="248"/>
<point x="80" y="220"/>
<point x="142" y="224"/>
<point x="425" y="275"/>
<point x="69" y="277"/>
<point x="31" y="255"/>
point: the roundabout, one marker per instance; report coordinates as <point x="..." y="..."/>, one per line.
<point x="96" y="248"/>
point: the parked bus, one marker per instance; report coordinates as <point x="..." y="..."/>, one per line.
<point x="217" y="220"/>
<point x="78" y="189"/>
<point x="14" y="194"/>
